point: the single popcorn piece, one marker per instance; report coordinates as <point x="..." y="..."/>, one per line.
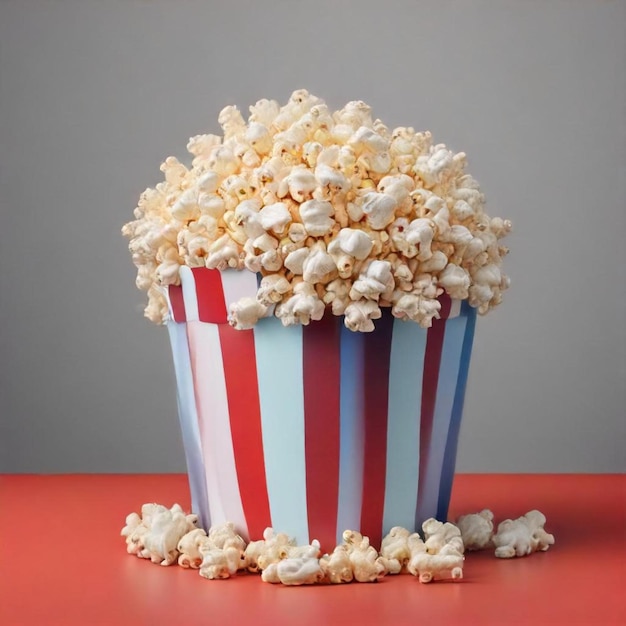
<point x="245" y="313"/>
<point x="294" y="571"/>
<point x="317" y="217"/>
<point x="275" y="547"/>
<point x="337" y="566"/>
<point x="359" y="315"/>
<point x="522" y="536"/>
<point x="222" y="552"/>
<point x="224" y="535"/>
<point x="396" y="546"/>
<point x="300" y="191"/>
<point x="302" y="307"/>
<point x="374" y="282"/>
<point x="133" y="532"/>
<point x="281" y="561"/>
<point x="219" y="563"/>
<point x="189" y="548"/>
<point x="446" y="564"/>
<point x="476" y="529"/>
<point x="311" y="551"/>
<point x="366" y="564"/>
<point x="439" y="534"/>
<point x="251" y="555"/>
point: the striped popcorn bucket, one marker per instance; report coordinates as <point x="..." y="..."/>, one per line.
<point x="315" y="429"/>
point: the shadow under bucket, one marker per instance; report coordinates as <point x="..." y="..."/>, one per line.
<point x="316" y="429"/>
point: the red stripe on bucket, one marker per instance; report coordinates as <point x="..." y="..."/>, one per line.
<point x="177" y="303"/>
<point x="446" y="305"/>
<point x="210" y="295"/>
<point x="321" y="373"/>
<point x="376" y="357"/>
<point x="240" y="373"/>
<point x="430" y="378"/>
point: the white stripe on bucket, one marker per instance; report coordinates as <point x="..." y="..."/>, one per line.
<point x="166" y="294"/>
<point x="455" y="308"/>
<point x="408" y="346"/>
<point x="189" y="294"/>
<point x="238" y="284"/>
<point x="281" y="397"/>
<point x="212" y="403"/>
<point x="446" y="388"/>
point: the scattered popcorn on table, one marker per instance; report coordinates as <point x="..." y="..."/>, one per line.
<point x="307" y="198"/>
<point x="522" y="536"/>
<point x="476" y="529"/>
<point x="168" y="536"/>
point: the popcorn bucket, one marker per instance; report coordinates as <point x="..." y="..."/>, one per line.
<point x="316" y="429"/>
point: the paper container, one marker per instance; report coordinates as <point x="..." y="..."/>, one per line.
<point x="315" y="429"/>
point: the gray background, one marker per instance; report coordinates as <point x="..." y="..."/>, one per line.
<point x="94" y="95"/>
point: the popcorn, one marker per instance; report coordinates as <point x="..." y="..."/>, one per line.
<point x="294" y="571"/>
<point x="299" y="191"/>
<point x="296" y="565"/>
<point x="359" y="315"/>
<point x="365" y="562"/>
<point x="222" y="552"/>
<point x="439" y="534"/>
<point x="304" y="306"/>
<point x="189" y="548"/>
<point x="337" y="566"/>
<point x="317" y="217"/>
<point x="440" y="556"/>
<point x="396" y="547"/>
<point x="156" y="533"/>
<point x="476" y="529"/>
<point x="275" y="217"/>
<point x="374" y="281"/>
<point x="522" y="536"/>
<point x="446" y="564"/>
<point x="219" y="563"/>
<point x="274" y="548"/>
<point x="318" y="267"/>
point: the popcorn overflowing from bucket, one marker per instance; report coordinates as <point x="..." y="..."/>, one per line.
<point x="333" y="210"/>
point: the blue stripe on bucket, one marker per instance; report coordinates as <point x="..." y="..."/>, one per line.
<point x="188" y="416"/>
<point x="281" y="396"/>
<point x="403" y="424"/>
<point x="446" y="388"/>
<point x="351" y="434"/>
<point x="449" y="459"/>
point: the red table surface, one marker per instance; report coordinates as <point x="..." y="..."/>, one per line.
<point x="63" y="561"/>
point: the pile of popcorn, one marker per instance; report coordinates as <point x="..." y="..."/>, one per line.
<point x="334" y="210"/>
<point x="169" y="536"/>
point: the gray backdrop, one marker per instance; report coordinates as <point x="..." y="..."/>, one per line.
<point x="94" y="95"/>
